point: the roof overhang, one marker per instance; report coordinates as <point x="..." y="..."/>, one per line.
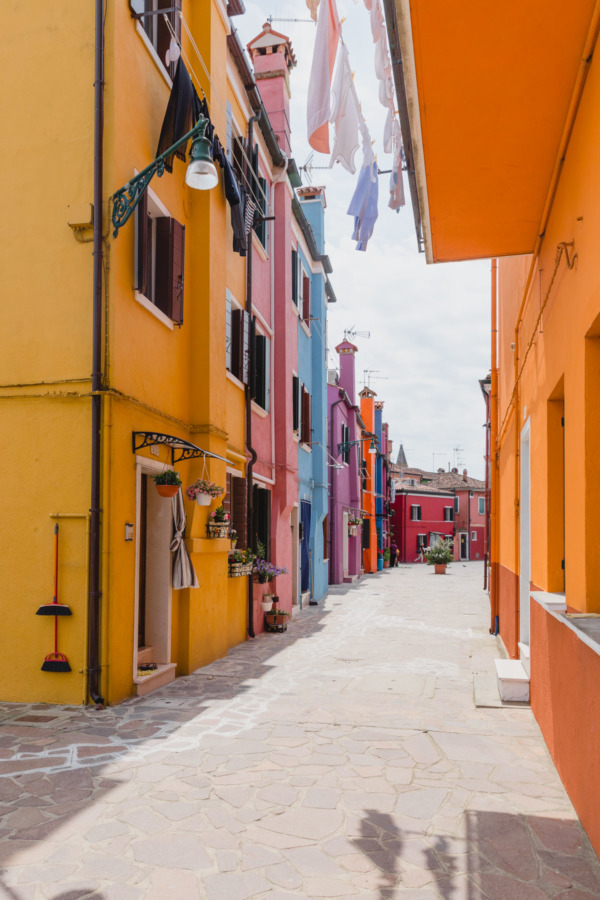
<point x="489" y="91"/>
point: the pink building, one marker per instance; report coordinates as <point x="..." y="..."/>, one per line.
<point x="421" y="514"/>
<point x="469" y="512"/>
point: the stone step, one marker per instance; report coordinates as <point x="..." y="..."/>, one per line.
<point x="513" y="680"/>
<point x="525" y="658"/>
<point x="350" y="579"/>
<point x="157" y="679"/>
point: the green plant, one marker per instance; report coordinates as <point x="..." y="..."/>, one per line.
<point x="242" y="556"/>
<point x="279" y="612"/>
<point x="261" y="550"/>
<point x="439" y="554"/>
<point x="167" y="477"/>
<point x="386" y="554"/>
<point x="203" y="486"/>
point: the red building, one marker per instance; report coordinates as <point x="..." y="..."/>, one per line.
<point x="421" y="514"/>
<point x="469" y="512"/>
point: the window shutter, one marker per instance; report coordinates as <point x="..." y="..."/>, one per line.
<point x="295" y="276"/>
<point x="306" y="298"/>
<point x="239" y="500"/>
<point x="162" y="288"/>
<point x="306" y="420"/>
<point x="326" y="537"/>
<point x="236" y="342"/>
<point x="295" y="403"/>
<point x="141" y="245"/>
<point x="262" y="518"/>
<point x="177" y="271"/>
<point x="259" y="369"/>
<point x="228" y="330"/>
<point x="245" y="336"/>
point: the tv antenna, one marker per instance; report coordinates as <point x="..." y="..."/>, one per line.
<point x="457" y="457"/>
<point x="370" y="375"/>
<point x="352" y="333"/>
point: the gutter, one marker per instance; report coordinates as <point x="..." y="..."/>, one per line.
<point x="94" y="593"/>
<point x="391" y="19"/>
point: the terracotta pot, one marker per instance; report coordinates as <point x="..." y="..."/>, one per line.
<point x="167" y="490"/>
<point x="386" y="564"/>
<point x="440" y="568"/>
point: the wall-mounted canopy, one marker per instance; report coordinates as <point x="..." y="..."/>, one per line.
<point x="180" y="449"/>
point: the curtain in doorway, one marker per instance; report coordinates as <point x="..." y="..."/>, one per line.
<point x="305" y="515"/>
<point x="183" y="570"/>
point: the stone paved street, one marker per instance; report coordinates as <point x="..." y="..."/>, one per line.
<point x="345" y="758"/>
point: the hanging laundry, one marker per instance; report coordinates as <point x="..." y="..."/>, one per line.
<point x="319" y="86"/>
<point x="234" y="196"/>
<point x="388" y="131"/>
<point x="367" y="144"/>
<point x="377" y="21"/>
<point x="345" y="115"/>
<point x="313" y="6"/>
<point x="397" y="198"/>
<point x="183" y="109"/>
<point x="363" y="205"/>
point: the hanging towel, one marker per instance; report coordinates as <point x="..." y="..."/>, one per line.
<point x="319" y="86"/>
<point x="183" y="109"/>
<point x="363" y="206"/>
<point x="345" y="115"/>
<point x="367" y="144"/>
<point x="396" y="184"/>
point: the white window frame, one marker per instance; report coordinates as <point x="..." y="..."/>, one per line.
<point x="414" y="518"/>
<point x="480" y="504"/>
<point x="473" y="536"/>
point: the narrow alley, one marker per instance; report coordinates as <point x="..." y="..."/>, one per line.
<point x="344" y="758"/>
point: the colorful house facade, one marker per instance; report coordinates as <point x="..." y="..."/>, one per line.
<point x="469" y="512"/>
<point x="422" y="514"/>
<point x="522" y="185"/>
<point x="344" y="456"/>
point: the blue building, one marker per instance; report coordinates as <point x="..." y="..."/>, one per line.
<point x="380" y="504"/>
<point x="313" y="293"/>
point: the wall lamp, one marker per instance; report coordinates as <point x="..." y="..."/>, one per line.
<point x="201" y="174"/>
<point x="345" y="445"/>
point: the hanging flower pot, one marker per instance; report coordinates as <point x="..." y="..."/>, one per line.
<point x="204" y="491"/>
<point x="167" y="483"/>
<point x="203" y="499"/>
<point x="267" y="602"/>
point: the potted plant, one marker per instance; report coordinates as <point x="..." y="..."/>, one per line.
<point x="439" y="555"/>
<point x="233" y="537"/>
<point x="277" y="620"/>
<point x="218" y="524"/>
<point x="203" y="491"/>
<point x="353" y="523"/>
<point x="241" y="562"/>
<point x="167" y="483"/>
<point x="386" y="558"/>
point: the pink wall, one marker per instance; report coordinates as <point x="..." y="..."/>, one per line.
<point x="432" y="520"/>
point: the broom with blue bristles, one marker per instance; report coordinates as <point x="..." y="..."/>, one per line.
<point x="55" y="662"/>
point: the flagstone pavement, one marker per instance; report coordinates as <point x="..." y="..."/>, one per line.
<point x="345" y="758"/>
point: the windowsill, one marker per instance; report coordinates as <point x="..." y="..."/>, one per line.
<point x="263" y="413"/>
<point x="304" y="326"/>
<point x="306" y="447"/>
<point x="154" y="310"/>
<point x="236" y="381"/>
<point x="155" y="57"/>
<point x="295" y="309"/>
<point x="295" y="437"/>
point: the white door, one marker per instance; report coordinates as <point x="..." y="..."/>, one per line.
<point x="345" y="542"/>
<point x="525" y="537"/>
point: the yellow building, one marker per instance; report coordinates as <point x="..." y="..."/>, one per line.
<point x="103" y="344"/>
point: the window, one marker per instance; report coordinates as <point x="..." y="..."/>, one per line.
<point x="305" y="308"/>
<point x="473" y="535"/>
<point x="326" y="537"/>
<point x="448" y="514"/>
<point x="295" y="277"/>
<point x="345" y="440"/>
<point x="159" y="258"/>
<point x="306" y="420"/>
<point x="261" y="501"/>
<point x="366" y="534"/>
<point x="364" y="473"/>
<point x="237" y="340"/>
<point x="415" y="513"/>
<point x="296" y="401"/>
<point x="456" y="505"/>
<point x="481" y="502"/>
<point x="236" y="504"/>
<point x="261" y="392"/>
<point x="156" y="28"/>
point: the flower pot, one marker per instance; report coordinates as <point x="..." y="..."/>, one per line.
<point x="167" y="490"/>
<point x="386" y="564"/>
<point x="440" y="568"/>
<point x="267" y="603"/>
<point x="203" y="499"/>
<point x="275" y="622"/>
<point x="352" y="530"/>
<point x="217" y="529"/>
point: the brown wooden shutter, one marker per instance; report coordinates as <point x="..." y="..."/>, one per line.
<point x="239" y="499"/>
<point x="295" y="276"/>
<point x="326" y="537"/>
<point x="306" y="298"/>
<point x="141" y="245"/>
<point x="245" y="377"/>
<point x="306" y="420"/>
<point x="163" y="267"/>
<point x="295" y="403"/>
<point x="177" y="271"/>
<point x="236" y="342"/>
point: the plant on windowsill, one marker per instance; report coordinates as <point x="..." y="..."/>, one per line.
<point x="167" y="483"/>
<point x="241" y="562"/>
<point x="218" y="524"/>
<point x="203" y="491"/>
<point x="277" y="620"/>
<point x="439" y="555"/>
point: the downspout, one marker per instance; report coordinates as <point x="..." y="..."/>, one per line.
<point x="94" y="594"/>
<point x="332" y="551"/>
<point x="494" y="462"/>
<point x="274" y="181"/>
<point x="248" y="395"/>
<point x="469" y="521"/>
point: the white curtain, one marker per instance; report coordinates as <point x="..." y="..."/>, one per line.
<point x="183" y="570"/>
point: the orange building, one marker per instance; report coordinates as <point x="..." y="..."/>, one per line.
<point x="369" y="529"/>
<point x="500" y="110"/>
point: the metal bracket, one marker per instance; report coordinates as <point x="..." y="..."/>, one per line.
<point x="180" y="449"/>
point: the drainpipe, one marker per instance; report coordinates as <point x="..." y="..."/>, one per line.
<point x="332" y="497"/>
<point x="494" y="451"/>
<point x="248" y="392"/>
<point x="94" y="594"/>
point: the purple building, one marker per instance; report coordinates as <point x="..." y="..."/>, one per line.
<point x="344" y="424"/>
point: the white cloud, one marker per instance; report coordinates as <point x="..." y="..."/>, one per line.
<point x="429" y="325"/>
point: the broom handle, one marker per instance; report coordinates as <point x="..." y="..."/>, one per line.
<point x="55" y="598"/>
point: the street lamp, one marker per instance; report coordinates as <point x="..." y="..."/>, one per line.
<point x="345" y="445"/>
<point x="201" y="174"/>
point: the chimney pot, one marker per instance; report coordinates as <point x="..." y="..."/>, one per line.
<point x="464" y="474"/>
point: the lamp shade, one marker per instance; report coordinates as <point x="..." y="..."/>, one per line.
<point x="201" y="173"/>
<point x="372" y="448"/>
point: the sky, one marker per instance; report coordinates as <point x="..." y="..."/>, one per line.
<point x="429" y="325"/>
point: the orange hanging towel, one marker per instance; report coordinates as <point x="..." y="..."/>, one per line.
<point x="319" y="86"/>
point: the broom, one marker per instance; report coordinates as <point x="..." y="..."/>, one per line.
<point x="55" y="662"/>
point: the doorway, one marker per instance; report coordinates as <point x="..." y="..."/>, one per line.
<point x="294" y="573"/>
<point x="464" y="545"/>
<point x="525" y="536"/>
<point x="345" y="543"/>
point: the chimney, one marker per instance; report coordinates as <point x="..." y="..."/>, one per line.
<point x="346" y="352"/>
<point x="273" y="58"/>
<point x="464" y="474"/>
